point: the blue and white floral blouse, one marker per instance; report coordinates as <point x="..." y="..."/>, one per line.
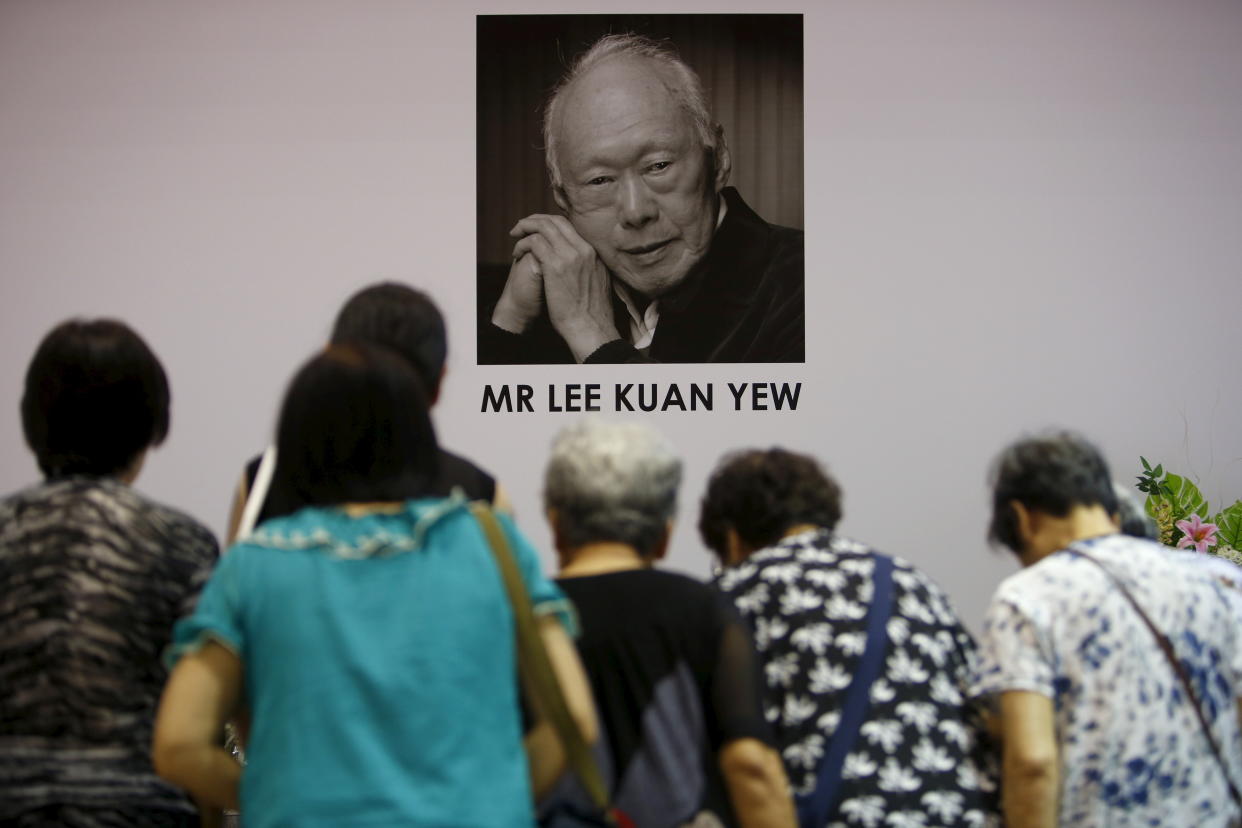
<point x="1132" y="750"/>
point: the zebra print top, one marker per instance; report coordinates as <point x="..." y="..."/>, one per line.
<point x="92" y="577"/>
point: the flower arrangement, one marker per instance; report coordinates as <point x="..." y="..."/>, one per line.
<point x="1181" y="515"/>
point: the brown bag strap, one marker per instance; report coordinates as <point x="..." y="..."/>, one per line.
<point x="534" y="664"/>
<point x="1167" y="647"/>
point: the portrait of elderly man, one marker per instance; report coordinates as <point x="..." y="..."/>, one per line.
<point x="650" y="255"/>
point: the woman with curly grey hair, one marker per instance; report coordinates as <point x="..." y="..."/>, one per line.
<point x="671" y="665"/>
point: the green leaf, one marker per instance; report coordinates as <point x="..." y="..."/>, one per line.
<point x="1159" y="471"/>
<point x="1183" y="495"/>
<point x="1229" y="525"/>
<point x="1146" y="465"/>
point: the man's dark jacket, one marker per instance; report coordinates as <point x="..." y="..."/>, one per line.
<point x="743" y="302"/>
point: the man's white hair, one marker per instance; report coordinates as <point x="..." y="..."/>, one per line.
<point x="680" y="80"/>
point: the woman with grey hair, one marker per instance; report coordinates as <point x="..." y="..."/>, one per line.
<point x="671" y="665"/>
<point x="1088" y="655"/>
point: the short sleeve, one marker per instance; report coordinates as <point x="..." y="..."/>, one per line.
<point x="1011" y="656"/>
<point x="545" y="596"/>
<point x="737" y="686"/>
<point x="203" y="554"/>
<point x="217" y="617"/>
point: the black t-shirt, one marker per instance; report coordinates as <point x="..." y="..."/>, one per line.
<point x="675" y="678"/>
<point x="456" y="472"/>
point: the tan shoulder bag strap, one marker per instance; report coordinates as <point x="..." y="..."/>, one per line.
<point x="534" y="664"/>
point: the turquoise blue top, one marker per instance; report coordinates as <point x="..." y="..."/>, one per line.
<point x="379" y="668"/>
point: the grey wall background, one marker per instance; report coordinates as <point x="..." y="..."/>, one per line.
<point x="1017" y="215"/>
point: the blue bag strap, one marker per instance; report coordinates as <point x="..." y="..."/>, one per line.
<point x="814" y="808"/>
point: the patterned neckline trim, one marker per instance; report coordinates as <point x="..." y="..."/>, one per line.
<point x="378" y="540"/>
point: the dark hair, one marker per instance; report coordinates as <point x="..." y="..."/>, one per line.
<point x="1051" y="473"/>
<point x="1132" y="520"/>
<point x="353" y="428"/>
<point x="762" y="494"/>
<point x="401" y="319"/>
<point x="95" y="398"/>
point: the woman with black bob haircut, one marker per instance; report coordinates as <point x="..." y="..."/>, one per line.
<point x="366" y="635"/>
<point x="96" y="399"/>
<point x="92" y="577"/>
<point x="354" y="428"/>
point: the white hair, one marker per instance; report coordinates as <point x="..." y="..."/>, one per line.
<point x="680" y="80"/>
<point x="612" y="482"/>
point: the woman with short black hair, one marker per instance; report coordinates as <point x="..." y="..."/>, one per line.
<point x="92" y="577"/>
<point x="96" y="399"/>
<point x="338" y="440"/>
<point x="367" y="633"/>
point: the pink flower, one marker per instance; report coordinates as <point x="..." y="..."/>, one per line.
<point x="1196" y="533"/>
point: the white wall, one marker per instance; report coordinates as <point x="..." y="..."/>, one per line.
<point x="1017" y="215"/>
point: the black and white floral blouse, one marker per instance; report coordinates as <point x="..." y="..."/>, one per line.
<point x="921" y="758"/>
